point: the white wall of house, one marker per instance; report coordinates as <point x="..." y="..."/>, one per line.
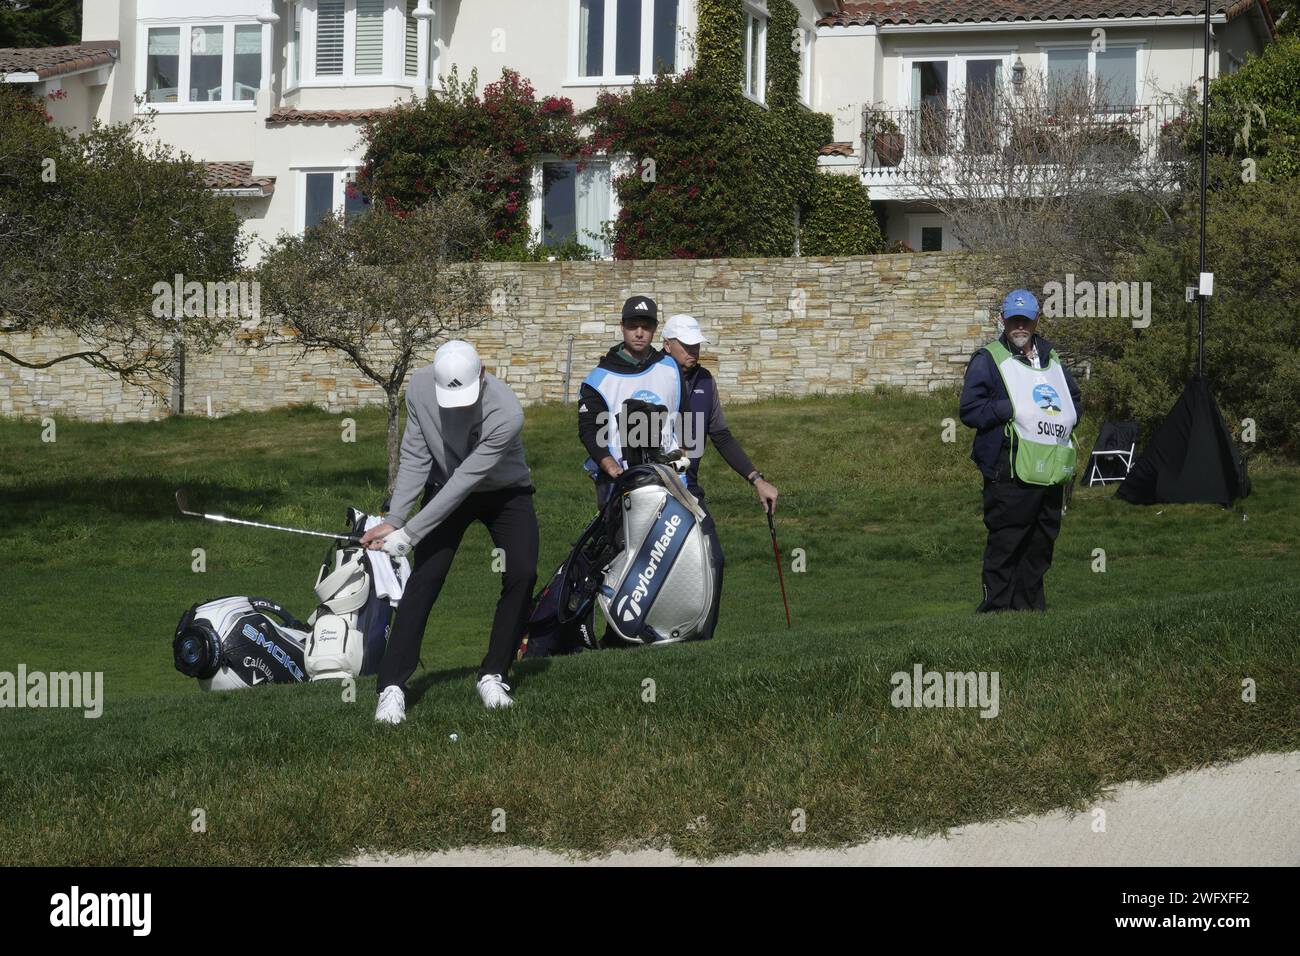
<point x="849" y="68"/>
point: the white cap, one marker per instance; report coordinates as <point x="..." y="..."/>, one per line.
<point x="684" y="329"/>
<point x="456" y="369"/>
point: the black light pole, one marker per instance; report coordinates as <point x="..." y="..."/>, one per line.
<point x="1205" y="144"/>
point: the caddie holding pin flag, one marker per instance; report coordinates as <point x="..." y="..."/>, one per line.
<point x="1024" y="405"/>
<point x="463" y="447"/>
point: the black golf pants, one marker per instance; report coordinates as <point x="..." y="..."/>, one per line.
<point x="511" y="521"/>
<point x="1023" y="521"/>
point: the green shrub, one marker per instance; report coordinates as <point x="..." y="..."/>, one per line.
<point x="1252" y="328"/>
<point x="840" y="220"/>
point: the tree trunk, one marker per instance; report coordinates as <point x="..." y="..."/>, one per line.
<point x="394" y="442"/>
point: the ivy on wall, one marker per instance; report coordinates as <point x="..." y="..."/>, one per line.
<point x="715" y="174"/>
<point x="422" y="148"/>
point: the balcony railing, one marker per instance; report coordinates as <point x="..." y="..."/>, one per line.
<point x="910" y="144"/>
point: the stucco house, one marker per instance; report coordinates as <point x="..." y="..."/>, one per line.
<point x="272" y="94"/>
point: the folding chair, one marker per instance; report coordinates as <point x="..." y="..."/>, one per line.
<point x="1112" y="454"/>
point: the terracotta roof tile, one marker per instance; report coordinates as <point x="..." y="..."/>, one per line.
<point x="236" y="175"/>
<point x="897" y="12"/>
<point x="287" y="115"/>
<point x="48" y="61"/>
<point x="837" y="149"/>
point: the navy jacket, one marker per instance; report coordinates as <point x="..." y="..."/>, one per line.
<point x="986" y="407"/>
<point x="706" y="420"/>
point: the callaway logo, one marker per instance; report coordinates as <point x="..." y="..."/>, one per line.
<point x="256" y="664"/>
<point x="630" y="607"/>
<point x="284" y="660"/>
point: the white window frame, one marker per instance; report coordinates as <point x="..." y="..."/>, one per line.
<point x="1139" y="62"/>
<point x="619" y="165"/>
<point x="756" y="17"/>
<point x="394" y="68"/>
<point x="956" y="60"/>
<point x="341" y="171"/>
<point x="293" y="49"/>
<point x="646" y="72"/>
<point x="183" y="104"/>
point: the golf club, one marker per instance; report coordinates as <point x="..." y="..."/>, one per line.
<point x="182" y="502"/>
<point x="776" y="553"/>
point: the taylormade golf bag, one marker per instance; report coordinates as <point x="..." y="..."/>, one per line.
<point x="230" y="642"/>
<point x="643" y="560"/>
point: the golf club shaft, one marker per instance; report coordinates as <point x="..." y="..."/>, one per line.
<point x="273" y="527"/>
<point x="776" y="553"/>
<point x="182" y="502"/>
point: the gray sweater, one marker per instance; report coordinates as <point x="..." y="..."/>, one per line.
<point x="463" y="450"/>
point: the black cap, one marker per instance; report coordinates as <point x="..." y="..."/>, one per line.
<point x="641" y="307"/>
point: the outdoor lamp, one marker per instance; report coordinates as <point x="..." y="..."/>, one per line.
<point x="1018" y="74"/>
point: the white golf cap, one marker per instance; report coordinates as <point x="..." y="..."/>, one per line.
<point x="456" y="369"/>
<point x="684" y="329"/>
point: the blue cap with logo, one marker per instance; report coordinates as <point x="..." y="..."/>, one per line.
<point x="1020" y="302"/>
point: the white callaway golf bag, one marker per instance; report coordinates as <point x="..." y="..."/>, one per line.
<point x="357" y="590"/>
<point x="233" y="642"/>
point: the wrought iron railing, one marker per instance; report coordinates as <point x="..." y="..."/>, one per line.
<point x="903" y="144"/>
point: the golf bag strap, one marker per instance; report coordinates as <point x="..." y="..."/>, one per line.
<point x="267" y="606"/>
<point x="330" y="584"/>
<point x="672" y="482"/>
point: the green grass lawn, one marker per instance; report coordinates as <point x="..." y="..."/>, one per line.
<point x="1133" y="673"/>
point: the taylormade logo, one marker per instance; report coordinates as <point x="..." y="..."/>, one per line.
<point x="923" y="688"/>
<point x="630" y="606"/>
<point x="103" y="909"/>
<point x="84" y="691"/>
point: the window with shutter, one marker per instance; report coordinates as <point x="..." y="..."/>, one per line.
<point x="370" y="37"/>
<point x="329" y="38"/>
<point x="412" y="49"/>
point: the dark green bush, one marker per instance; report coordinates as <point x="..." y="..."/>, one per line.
<point x="840" y="220"/>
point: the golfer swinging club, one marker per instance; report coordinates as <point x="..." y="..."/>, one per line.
<point x="463" y="445"/>
<point x="1024" y="405"/>
<point x="702" y="419"/>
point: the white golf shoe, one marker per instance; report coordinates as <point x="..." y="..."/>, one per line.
<point x="392" y="706"/>
<point x="492" y="691"/>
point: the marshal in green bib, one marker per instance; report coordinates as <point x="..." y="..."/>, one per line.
<point x="1041" y="431"/>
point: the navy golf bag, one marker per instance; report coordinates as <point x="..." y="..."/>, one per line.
<point x="234" y="642"/>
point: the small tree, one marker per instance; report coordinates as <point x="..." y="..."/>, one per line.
<point x="1046" y="180"/>
<point x="383" y="286"/>
<point x="89" y="225"/>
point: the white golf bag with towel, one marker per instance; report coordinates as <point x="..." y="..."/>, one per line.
<point x="241" y="641"/>
<point x="644" y="561"/>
